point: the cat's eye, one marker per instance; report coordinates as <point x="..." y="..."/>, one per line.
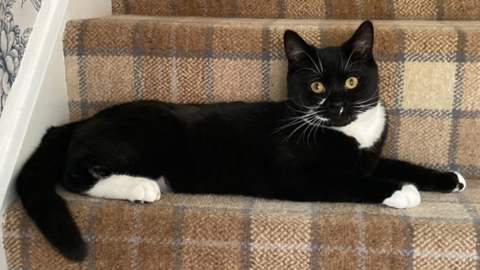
<point x="317" y="87"/>
<point x="351" y="83"/>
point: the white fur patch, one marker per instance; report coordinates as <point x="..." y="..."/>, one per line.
<point x="460" y="180"/>
<point x="406" y="198"/>
<point x="397" y="200"/>
<point x="367" y="128"/>
<point x="125" y="187"/>
<point x="164" y="185"/>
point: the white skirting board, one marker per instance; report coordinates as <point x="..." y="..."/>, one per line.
<point x="38" y="98"/>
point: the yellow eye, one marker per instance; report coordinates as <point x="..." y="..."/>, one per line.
<point x="351" y="83"/>
<point x="317" y="87"/>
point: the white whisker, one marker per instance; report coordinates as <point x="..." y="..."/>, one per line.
<point x="311" y="69"/>
<point x="319" y="60"/>
<point x="312" y="61"/>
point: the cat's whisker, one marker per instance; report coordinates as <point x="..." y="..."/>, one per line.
<point x="320" y="124"/>
<point x="295" y="110"/>
<point x="312" y="60"/>
<point x="302" y="135"/>
<point x="341" y="57"/>
<point x="366" y="77"/>
<point x="311" y="69"/>
<point x="295" y="121"/>
<point x="348" y="68"/>
<point x="388" y="122"/>
<point x="314" y="128"/>
<point x="286" y="126"/>
<point x="348" y="60"/>
<point x="313" y="123"/>
<point x="319" y="60"/>
<point x="365" y="101"/>
<point x="351" y="54"/>
<point x="289" y="136"/>
<point x="366" y="105"/>
<point x="303" y="104"/>
<point x="373" y="96"/>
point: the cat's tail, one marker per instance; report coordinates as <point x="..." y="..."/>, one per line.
<point x="36" y="187"/>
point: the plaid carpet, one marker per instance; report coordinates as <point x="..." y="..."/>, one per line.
<point x="306" y="9"/>
<point x="226" y="232"/>
<point x="429" y="72"/>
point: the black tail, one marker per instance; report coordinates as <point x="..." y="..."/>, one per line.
<point x="36" y="188"/>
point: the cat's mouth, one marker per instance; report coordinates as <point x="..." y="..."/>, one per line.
<point x="340" y="118"/>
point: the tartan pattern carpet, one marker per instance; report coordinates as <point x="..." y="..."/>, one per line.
<point x="228" y="232"/>
<point x="453" y="10"/>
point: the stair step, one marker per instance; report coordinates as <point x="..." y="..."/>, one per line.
<point x="219" y="232"/>
<point x="305" y="9"/>
<point x="428" y="70"/>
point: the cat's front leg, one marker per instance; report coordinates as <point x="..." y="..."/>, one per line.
<point x="376" y="190"/>
<point x="423" y="178"/>
<point x="358" y="189"/>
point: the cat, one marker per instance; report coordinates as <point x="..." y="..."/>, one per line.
<point x="321" y="144"/>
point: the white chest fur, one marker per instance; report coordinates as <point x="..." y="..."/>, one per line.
<point x="367" y="128"/>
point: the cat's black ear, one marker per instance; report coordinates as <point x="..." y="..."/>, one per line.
<point x="295" y="47"/>
<point x="361" y="43"/>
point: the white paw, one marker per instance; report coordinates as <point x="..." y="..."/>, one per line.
<point x="143" y="190"/>
<point x="462" y="184"/>
<point x="405" y="198"/>
<point x="397" y="200"/>
<point x="412" y="194"/>
<point x="126" y="187"/>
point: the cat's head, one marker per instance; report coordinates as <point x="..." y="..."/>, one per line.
<point x="331" y="86"/>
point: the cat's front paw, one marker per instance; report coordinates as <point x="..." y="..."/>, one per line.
<point x="461" y="185"/>
<point x="407" y="197"/>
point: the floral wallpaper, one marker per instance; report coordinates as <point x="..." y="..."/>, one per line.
<point x="17" y="18"/>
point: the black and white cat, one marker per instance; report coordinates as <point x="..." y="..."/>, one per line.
<point x="321" y="144"/>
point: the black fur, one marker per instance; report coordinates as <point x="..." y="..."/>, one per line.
<point x="36" y="188"/>
<point x="230" y="148"/>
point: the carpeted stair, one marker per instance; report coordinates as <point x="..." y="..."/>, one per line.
<point x="430" y="77"/>
<point x="306" y="9"/>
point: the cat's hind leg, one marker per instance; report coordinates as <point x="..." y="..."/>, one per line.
<point x="102" y="183"/>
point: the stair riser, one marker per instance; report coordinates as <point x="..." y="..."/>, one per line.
<point x="305" y="9"/>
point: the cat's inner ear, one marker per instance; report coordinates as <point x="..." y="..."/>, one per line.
<point x="295" y="47"/>
<point x="360" y="45"/>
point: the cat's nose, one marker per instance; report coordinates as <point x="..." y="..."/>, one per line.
<point x="336" y="107"/>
